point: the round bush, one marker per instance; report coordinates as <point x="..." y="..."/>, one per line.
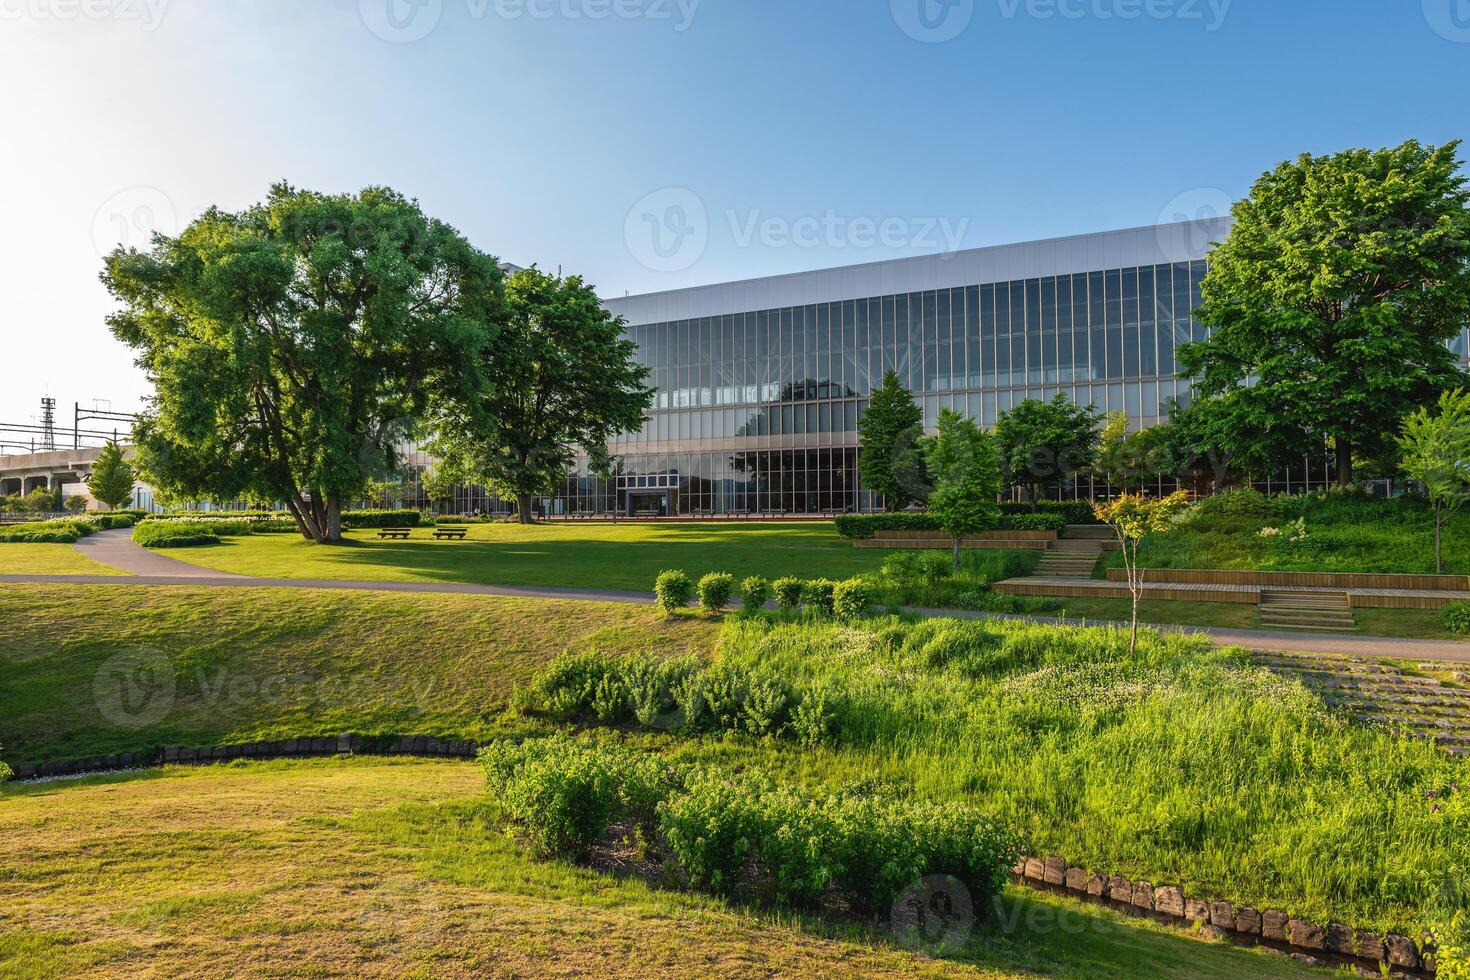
<point x="787" y="591"/>
<point x="1456" y="618"/>
<point x="817" y="594"/>
<point x="852" y="599"/>
<point x="673" y="590"/>
<point x="754" y="592"/>
<point x="935" y="565"/>
<point x="714" y="591"/>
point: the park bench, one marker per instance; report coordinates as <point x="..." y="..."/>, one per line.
<point x="739" y="512"/>
<point x="395" y="533"/>
<point x="450" y="533"/>
<point x="581" y="514"/>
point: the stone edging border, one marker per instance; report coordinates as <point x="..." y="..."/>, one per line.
<point x="1169" y="901"/>
<point x="415" y="745"/>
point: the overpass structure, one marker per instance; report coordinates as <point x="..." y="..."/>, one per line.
<point x="50" y="469"/>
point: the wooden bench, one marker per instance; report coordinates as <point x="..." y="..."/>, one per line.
<point x="395" y="533"/>
<point x="450" y="533"/>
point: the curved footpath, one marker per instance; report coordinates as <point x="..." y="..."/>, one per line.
<point x="147" y="568"/>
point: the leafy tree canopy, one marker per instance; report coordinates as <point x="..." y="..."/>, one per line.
<point x="561" y="376"/>
<point x="1043" y="444"/>
<point x="290" y="344"/>
<point x="1333" y="298"/>
<point x="112" y="478"/>
<point x="1436" y="452"/>
<point x="891" y="460"/>
<point x="962" y="463"/>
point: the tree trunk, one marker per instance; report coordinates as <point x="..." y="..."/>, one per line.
<point x="523" y="508"/>
<point x="332" y="524"/>
<point x="1344" y="462"/>
<point x="1035" y="492"/>
<point x="956" y="554"/>
<point x="1438" y="523"/>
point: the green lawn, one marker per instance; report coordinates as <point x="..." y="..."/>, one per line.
<point x="1423" y="624"/>
<point x="584" y="556"/>
<point x="396" y="868"/>
<point x="48" y="559"/>
<point x="240" y="665"/>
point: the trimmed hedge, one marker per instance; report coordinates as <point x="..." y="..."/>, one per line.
<point x="64" y="530"/>
<point x="1072" y="511"/>
<point x="865" y="525"/>
<point x="380" y="518"/>
<point x="174" y="534"/>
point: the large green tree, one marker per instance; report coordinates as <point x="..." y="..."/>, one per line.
<point x="1436" y="452"/>
<point x="1042" y="445"/>
<point x="112" y="477"/>
<point x="891" y="459"/>
<point x="962" y="463"/>
<point x="291" y="344"/>
<point x="560" y="377"/>
<point x="1333" y="297"/>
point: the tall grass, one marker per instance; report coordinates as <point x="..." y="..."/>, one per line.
<point x="1182" y="764"/>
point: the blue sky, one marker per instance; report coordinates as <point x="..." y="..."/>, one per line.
<point x="755" y="137"/>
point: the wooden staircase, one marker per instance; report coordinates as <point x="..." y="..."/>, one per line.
<point x="1075" y="553"/>
<point x="1307" y="611"/>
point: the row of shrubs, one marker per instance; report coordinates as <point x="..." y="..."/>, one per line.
<point x="866" y="525"/>
<point x="176" y="534"/>
<point x="743" y="833"/>
<point x="849" y="599"/>
<point x="65" y="530"/>
<point x="271" y="520"/>
<point x="683" y="693"/>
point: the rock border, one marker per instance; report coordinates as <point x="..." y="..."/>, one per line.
<point x="291" y="748"/>
<point x="1303" y="939"/>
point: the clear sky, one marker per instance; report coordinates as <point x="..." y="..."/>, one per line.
<point x="654" y="144"/>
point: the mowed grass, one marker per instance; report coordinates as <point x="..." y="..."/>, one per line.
<point x="396" y="868"/>
<point x="568" y="555"/>
<point x="88" y="670"/>
<point x="17" y="558"/>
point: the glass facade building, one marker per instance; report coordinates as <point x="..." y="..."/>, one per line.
<point x="760" y="385"/>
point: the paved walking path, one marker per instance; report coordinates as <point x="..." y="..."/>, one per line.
<point x="116" y="549"/>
